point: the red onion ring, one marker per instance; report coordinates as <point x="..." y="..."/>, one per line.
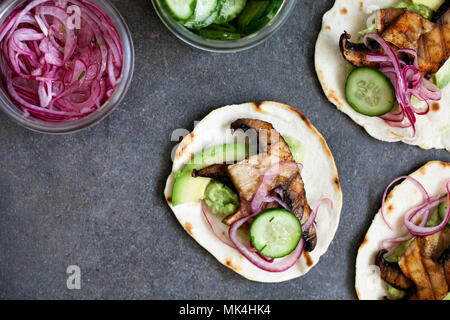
<point x="268" y="177"/>
<point x="313" y="216"/>
<point x="422" y="212"/>
<point x="407" y="80"/>
<point x="253" y="249"/>
<point x="417" y="183"/>
<point x="207" y="213"/>
<point x="394" y="241"/>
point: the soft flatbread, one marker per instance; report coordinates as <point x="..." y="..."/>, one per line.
<point x="406" y="195"/>
<point x="319" y="175"/>
<point x="433" y="129"/>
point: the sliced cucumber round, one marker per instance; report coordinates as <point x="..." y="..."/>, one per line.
<point x="206" y="11"/>
<point x="275" y="233"/>
<point x="229" y="10"/>
<point x="180" y="10"/>
<point x="370" y="92"/>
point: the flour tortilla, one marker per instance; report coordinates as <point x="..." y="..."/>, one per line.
<point x="433" y="129"/>
<point x="433" y="175"/>
<point x="319" y="175"/>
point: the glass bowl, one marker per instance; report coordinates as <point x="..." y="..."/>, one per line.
<point x="9" y="107"/>
<point x="224" y="45"/>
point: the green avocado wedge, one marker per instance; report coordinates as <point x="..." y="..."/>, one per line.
<point x="296" y="147"/>
<point x="188" y="188"/>
<point x="443" y="75"/>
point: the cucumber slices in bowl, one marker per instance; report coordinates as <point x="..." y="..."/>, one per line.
<point x="229" y="10"/>
<point x="206" y="11"/>
<point x="223" y="19"/>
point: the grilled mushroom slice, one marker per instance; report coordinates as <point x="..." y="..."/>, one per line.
<point x="404" y="29"/>
<point x="385" y="17"/>
<point x="217" y="172"/>
<point x="355" y="53"/>
<point x="427" y="274"/>
<point x="392" y="274"/>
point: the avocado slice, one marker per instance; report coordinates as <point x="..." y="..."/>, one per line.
<point x="394" y="293"/>
<point x="421" y="9"/>
<point x="447" y="297"/>
<point x="397" y="253"/>
<point x="443" y="75"/>
<point x="432" y="4"/>
<point x="188" y="188"/>
<point x="296" y="147"/>
<point x="442" y="211"/>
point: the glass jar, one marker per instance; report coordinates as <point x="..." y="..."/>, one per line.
<point x="9" y="107"/>
<point x="224" y="45"/>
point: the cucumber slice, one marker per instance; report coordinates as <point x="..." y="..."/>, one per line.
<point x="205" y="13"/>
<point x="275" y="233"/>
<point x="369" y="92"/>
<point x="254" y="10"/>
<point x="229" y="10"/>
<point x="180" y="10"/>
<point x="442" y="210"/>
<point x="217" y="34"/>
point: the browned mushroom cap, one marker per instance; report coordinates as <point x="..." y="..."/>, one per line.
<point x="392" y="274"/>
<point x="217" y="172"/>
<point x="354" y="53"/>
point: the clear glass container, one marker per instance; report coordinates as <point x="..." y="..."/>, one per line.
<point x="224" y="45"/>
<point x="9" y="107"/>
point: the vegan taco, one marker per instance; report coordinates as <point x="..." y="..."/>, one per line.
<point x="385" y="64"/>
<point x="256" y="186"/>
<point x="406" y="252"/>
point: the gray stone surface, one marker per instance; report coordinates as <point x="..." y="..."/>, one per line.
<point x="95" y="198"/>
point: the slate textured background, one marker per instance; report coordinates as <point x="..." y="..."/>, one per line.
<point x="95" y="198"/>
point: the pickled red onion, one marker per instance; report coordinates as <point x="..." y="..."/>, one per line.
<point x="54" y="69"/>
<point x="407" y="80"/>
<point x="415" y="219"/>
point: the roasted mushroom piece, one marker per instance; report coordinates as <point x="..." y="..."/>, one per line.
<point x="404" y="29"/>
<point x="392" y="274"/>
